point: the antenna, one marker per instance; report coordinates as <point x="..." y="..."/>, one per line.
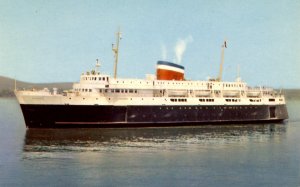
<point x="97" y="65"/>
<point x="116" y="52"/>
<point x="222" y="61"/>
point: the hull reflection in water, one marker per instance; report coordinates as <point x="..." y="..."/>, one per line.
<point x="131" y="139"/>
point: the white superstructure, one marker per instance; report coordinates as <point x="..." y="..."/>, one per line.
<point x="101" y="89"/>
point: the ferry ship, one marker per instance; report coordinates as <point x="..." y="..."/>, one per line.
<point x="164" y="99"/>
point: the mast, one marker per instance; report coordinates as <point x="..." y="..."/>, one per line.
<point x="222" y="61"/>
<point x="97" y="66"/>
<point x="116" y="52"/>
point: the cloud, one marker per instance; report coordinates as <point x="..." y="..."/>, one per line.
<point x="180" y="47"/>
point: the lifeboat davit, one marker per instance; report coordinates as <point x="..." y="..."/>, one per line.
<point x="169" y="71"/>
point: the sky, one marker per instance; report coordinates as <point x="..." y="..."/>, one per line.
<point x="56" y="41"/>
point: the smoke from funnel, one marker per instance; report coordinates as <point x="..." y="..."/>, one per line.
<point x="181" y="47"/>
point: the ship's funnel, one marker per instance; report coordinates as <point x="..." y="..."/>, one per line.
<point x="169" y="71"/>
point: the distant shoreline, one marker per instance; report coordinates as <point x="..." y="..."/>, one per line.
<point x="7" y="86"/>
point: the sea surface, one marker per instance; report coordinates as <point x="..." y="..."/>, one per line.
<point x="223" y="155"/>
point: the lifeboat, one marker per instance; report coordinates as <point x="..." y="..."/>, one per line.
<point x="202" y="93"/>
<point x="231" y="93"/>
<point x="253" y="93"/>
<point x="169" y="71"/>
<point x="177" y="93"/>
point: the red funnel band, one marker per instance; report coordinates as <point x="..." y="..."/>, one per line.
<point x="169" y="71"/>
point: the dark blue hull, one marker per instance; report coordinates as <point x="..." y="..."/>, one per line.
<point x="56" y="116"/>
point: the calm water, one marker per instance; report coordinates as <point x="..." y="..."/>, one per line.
<point x="236" y="155"/>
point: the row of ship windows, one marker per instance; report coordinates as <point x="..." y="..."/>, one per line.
<point x="174" y="83"/>
<point x="107" y="91"/>
<point x="232" y="85"/>
<point x="95" y="78"/>
<point x="183" y="83"/>
<point x="206" y="100"/>
<point x="83" y="90"/>
<point x="132" y="82"/>
<point x="179" y="100"/>
<point x="185" y="100"/>
<point x="232" y="100"/>
<point x="119" y="91"/>
<point x="255" y="100"/>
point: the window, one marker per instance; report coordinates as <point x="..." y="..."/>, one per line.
<point x="202" y="100"/>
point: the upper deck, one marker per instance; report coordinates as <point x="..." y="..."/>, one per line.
<point x="95" y="88"/>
